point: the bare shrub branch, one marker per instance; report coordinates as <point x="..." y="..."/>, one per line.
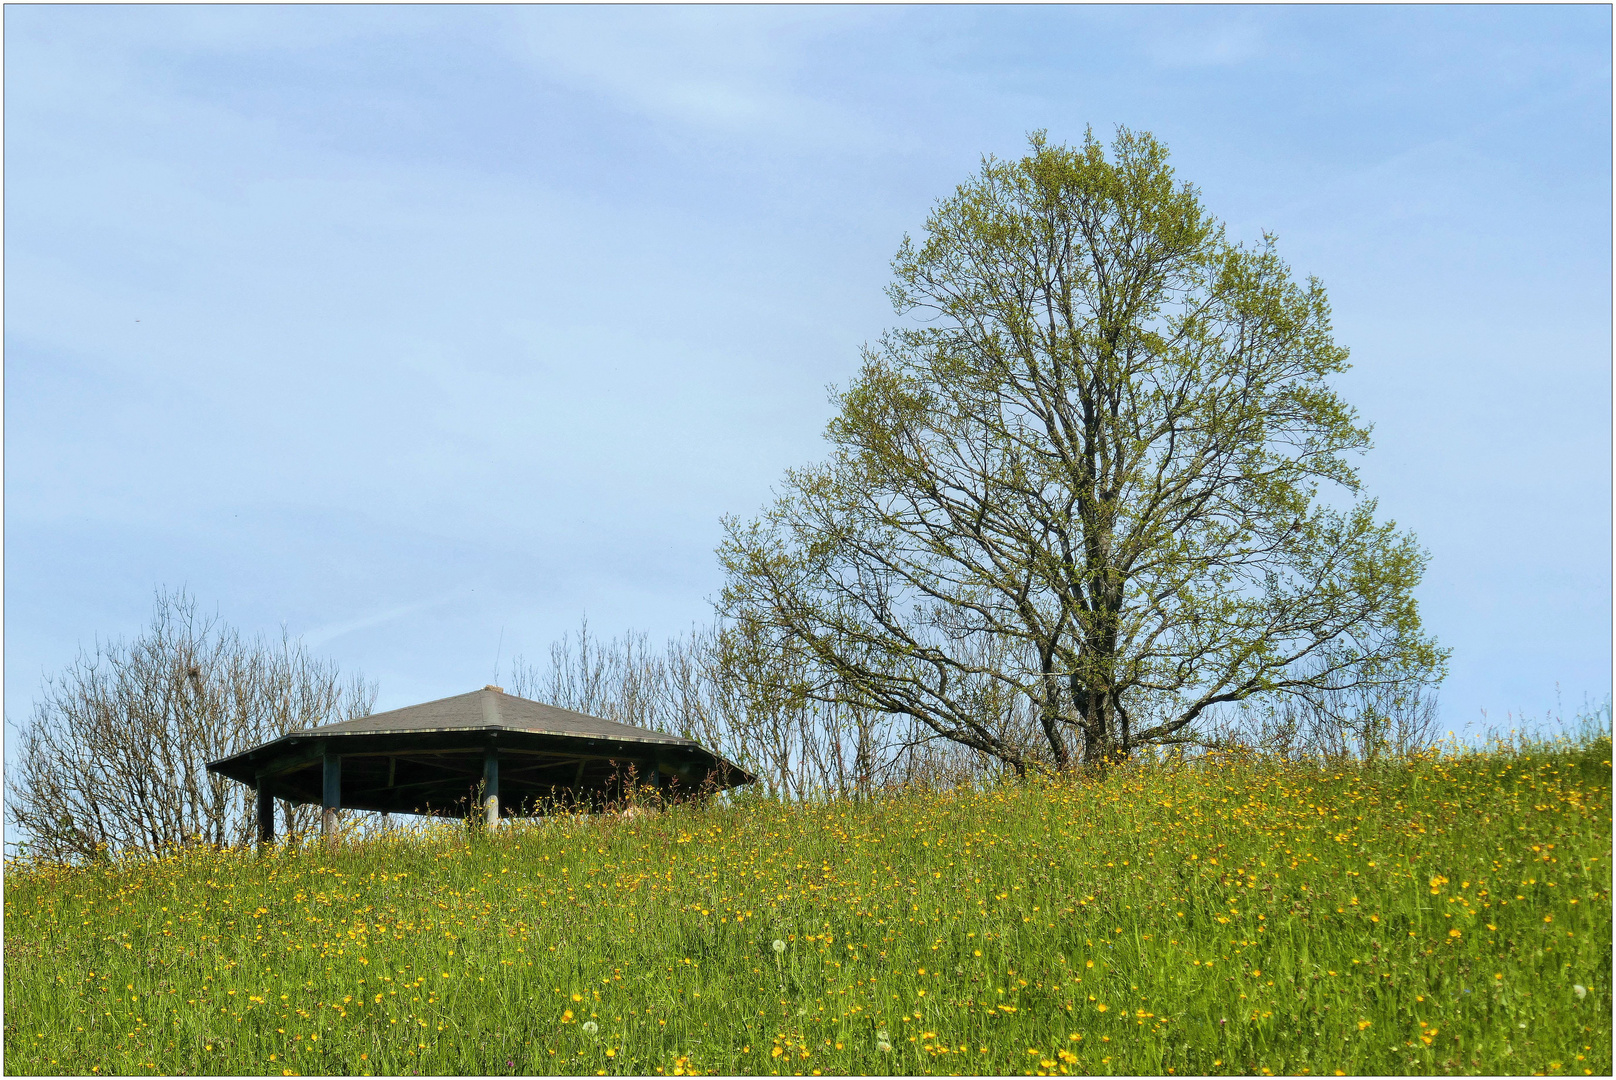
<point x="113" y="758"/>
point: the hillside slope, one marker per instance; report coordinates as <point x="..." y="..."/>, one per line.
<point x="1449" y="914"/>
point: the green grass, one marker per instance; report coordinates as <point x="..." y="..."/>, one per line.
<point x="1426" y="916"/>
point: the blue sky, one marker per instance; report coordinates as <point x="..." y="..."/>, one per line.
<point x="426" y="330"/>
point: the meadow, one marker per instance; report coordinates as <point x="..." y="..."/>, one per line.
<point x="1445" y="914"/>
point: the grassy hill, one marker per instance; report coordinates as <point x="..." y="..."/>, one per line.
<point x="1448" y="914"/>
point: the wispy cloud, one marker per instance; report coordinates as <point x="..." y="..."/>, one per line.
<point x="331" y="631"/>
<point x="1220" y="45"/>
<point x="721" y="71"/>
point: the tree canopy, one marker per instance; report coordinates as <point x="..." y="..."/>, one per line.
<point x="1099" y="480"/>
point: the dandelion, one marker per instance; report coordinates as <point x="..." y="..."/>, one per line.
<point x="590" y="1027"/>
<point x="779" y="947"/>
<point x="1580" y="990"/>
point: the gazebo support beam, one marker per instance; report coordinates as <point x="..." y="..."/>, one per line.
<point x="266" y="813"/>
<point x="491" y="784"/>
<point x="330" y="796"/>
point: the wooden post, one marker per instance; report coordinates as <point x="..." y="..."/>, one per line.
<point x="330" y="797"/>
<point x="266" y="814"/>
<point x="491" y="784"/>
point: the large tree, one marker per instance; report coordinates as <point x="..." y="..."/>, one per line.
<point x="1082" y="484"/>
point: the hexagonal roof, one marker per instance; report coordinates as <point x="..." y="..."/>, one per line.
<point x="430" y="755"/>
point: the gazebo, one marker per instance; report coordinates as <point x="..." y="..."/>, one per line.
<point x="521" y="757"/>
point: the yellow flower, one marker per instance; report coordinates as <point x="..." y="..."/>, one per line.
<point x="1454" y="932"/>
<point x="1102" y="1006"/>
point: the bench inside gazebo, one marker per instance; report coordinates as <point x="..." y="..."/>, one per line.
<point x="519" y="757"/>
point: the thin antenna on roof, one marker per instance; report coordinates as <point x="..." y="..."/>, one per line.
<point x="497" y="650"/>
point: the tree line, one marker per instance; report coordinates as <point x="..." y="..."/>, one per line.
<point x="1093" y="496"/>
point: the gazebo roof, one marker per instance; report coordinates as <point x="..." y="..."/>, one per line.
<point x="492" y="709"/>
<point x="431" y="756"/>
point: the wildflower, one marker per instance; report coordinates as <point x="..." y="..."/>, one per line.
<point x="590" y="1027"/>
<point x="1580" y="990"/>
<point x="779" y="946"/>
<point x="1454" y="932"/>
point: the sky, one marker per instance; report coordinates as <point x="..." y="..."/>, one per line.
<point x="425" y="332"/>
